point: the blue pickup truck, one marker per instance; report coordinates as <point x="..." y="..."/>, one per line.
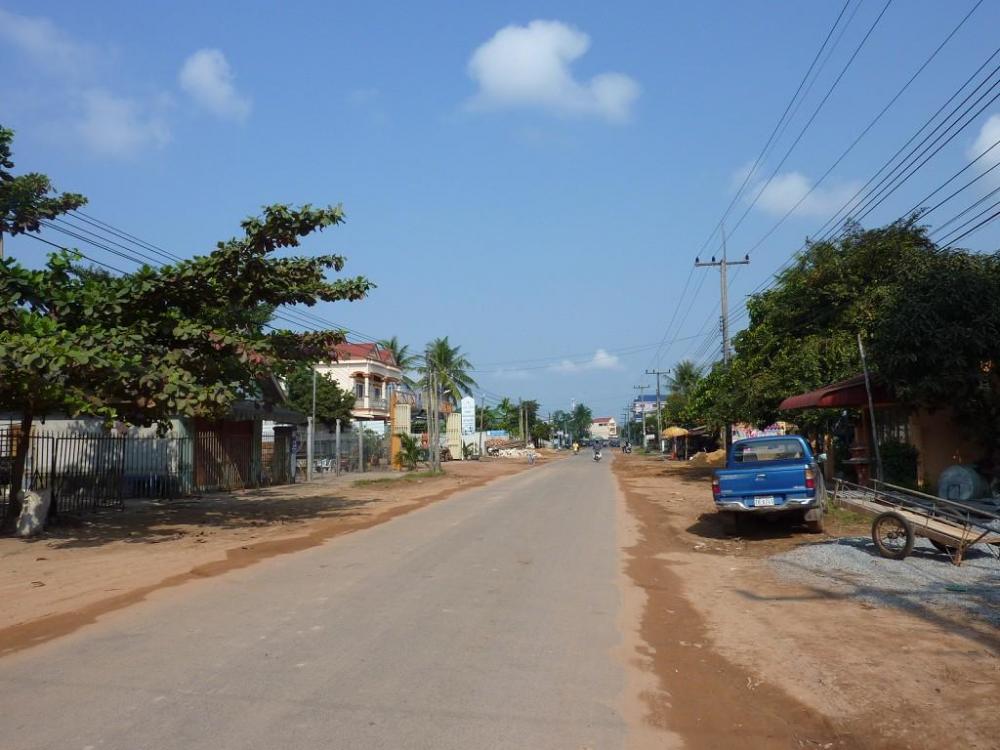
<point x="770" y="475"/>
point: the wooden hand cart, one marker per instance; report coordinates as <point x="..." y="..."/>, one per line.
<point x="900" y="515"/>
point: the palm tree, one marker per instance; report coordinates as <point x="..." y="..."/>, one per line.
<point x="685" y="377"/>
<point x="451" y="367"/>
<point x="404" y="360"/>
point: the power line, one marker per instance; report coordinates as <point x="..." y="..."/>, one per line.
<point x="815" y="113"/>
<point x="868" y="127"/>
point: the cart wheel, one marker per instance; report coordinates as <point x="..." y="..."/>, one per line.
<point x="893" y="536"/>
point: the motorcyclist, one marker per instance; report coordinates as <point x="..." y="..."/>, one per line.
<point x="597" y="450"/>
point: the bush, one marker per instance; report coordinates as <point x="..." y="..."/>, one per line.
<point x="899" y="463"/>
<point x="409" y="452"/>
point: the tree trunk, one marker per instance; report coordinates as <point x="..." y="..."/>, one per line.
<point x="17" y="475"/>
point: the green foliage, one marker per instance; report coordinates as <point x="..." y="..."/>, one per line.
<point x="26" y="200"/>
<point x="452" y="369"/>
<point x="899" y="463"/>
<point x="406" y="361"/>
<point x="332" y="402"/>
<point x="541" y="431"/>
<point x="580" y="419"/>
<point x="468" y="451"/>
<point x="938" y="341"/>
<point x="173" y="341"/>
<point x="802" y="332"/>
<point x="409" y="452"/>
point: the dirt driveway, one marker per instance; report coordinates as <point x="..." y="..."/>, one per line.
<point x="745" y="659"/>
<point x="85" y="567"/>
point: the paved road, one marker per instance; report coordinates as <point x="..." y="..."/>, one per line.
<point x="484" y="621"/>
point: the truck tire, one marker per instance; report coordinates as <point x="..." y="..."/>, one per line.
<point x="813" y="519"/>
<point x="893" y="535"/>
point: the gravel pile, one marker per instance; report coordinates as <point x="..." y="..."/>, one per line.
<point x="926" y="578"/>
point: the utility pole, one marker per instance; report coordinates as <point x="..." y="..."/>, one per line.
<point x="482" y="416"/>
<point x="642" y="412"/>
<point x="310" y="449"/>
<point x="723" y="266"/>
<point x="659" y="418"/>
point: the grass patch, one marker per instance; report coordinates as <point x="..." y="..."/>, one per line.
<point x="410" y="476"/>
<point x="848" y="520"/>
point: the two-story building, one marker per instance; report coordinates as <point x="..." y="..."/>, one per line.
<point x="369" y="372"/>
<point x="604" y="428"/>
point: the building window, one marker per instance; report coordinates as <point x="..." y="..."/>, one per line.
<point x="359" y="390"/>
<point x="376" y="391"/>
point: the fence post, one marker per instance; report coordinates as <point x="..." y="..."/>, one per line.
<point x="361" y="448"/>
<point x="53" y="509"/>
<point x="336" y="456"/>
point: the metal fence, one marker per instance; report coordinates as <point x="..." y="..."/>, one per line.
<point x="325" y="458"/>
<point x="89" y="471"/>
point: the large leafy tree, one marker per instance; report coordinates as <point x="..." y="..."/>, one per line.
<point x="451" y="368"/>
<point x="580" y="419"/>
<point x="332" y="401"/>
<point x="164" y="342"/>
<point x="938" y="341"/>
<point x="28" y="199"/>
<point x="803" y="331"/>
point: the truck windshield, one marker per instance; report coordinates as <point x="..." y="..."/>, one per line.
<point x="773" y="450"/>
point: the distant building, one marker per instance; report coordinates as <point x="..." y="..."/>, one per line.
<point x="604" y="428"/>
<point x="369" y="372"/>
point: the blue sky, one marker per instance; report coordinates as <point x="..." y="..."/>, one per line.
<point x="532" y="180"/>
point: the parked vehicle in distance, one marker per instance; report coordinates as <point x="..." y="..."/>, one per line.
<point x="774" y="476"/>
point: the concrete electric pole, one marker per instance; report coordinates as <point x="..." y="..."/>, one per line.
<point x="642" y="412"/>
<point x="723" y="266"/>
<point x="659" y="418"/>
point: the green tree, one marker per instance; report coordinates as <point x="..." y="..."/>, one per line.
<point x="164" y="342"/>
<point x="28" y="199"/>
<point x="802" y="332"/>
<point x="409" y="452"/>
<point x="332" y="402"/>
<point x="685" y="377"/>
<point x="938" y="341"/>
<point x="451" y="367"/>
<point x="580" y="419"/>
<point x="405" y="360"/>
<point x="508" y="419"/>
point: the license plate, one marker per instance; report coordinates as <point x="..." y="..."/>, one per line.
<point x="763" y="502"/>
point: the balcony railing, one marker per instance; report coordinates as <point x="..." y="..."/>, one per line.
<point x="372" y="404"/>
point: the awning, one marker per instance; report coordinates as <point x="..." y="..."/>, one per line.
<point x="673" y="431"/>
<point x="846" y="393"/>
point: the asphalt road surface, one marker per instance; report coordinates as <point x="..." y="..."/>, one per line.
<point x="487" y="620"/>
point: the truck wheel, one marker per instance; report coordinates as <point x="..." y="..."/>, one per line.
<point x="893" y="535"/>
<point x="730" y="522"/>
<point x="813" y="520"/>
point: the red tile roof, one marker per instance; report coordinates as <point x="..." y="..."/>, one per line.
<point x="349" y="351"/>
<point x="602" y="420"/>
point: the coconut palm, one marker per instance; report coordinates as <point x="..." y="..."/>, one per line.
<point x="451" y="368"/>
<point x="404" y="360"/>
<point x="685" y="377"/>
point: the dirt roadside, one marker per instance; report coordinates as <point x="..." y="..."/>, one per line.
<point x="79" y="571"/>
<point x="746" y="660"/>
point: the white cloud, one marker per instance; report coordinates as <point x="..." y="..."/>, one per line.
<point x="117" y="126"/>
<point x="207" y="77"/>
<point x="529" y="66"/>
<point x="785" y="191"/>
<point x="45" y="45"/>
<point x="988" y="135"/>
<point x="601" y="360"/>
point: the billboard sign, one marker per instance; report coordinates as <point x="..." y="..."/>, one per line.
<point x="468" y="415"/>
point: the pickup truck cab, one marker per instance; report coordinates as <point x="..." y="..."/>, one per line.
<point x="770" y="475"/>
